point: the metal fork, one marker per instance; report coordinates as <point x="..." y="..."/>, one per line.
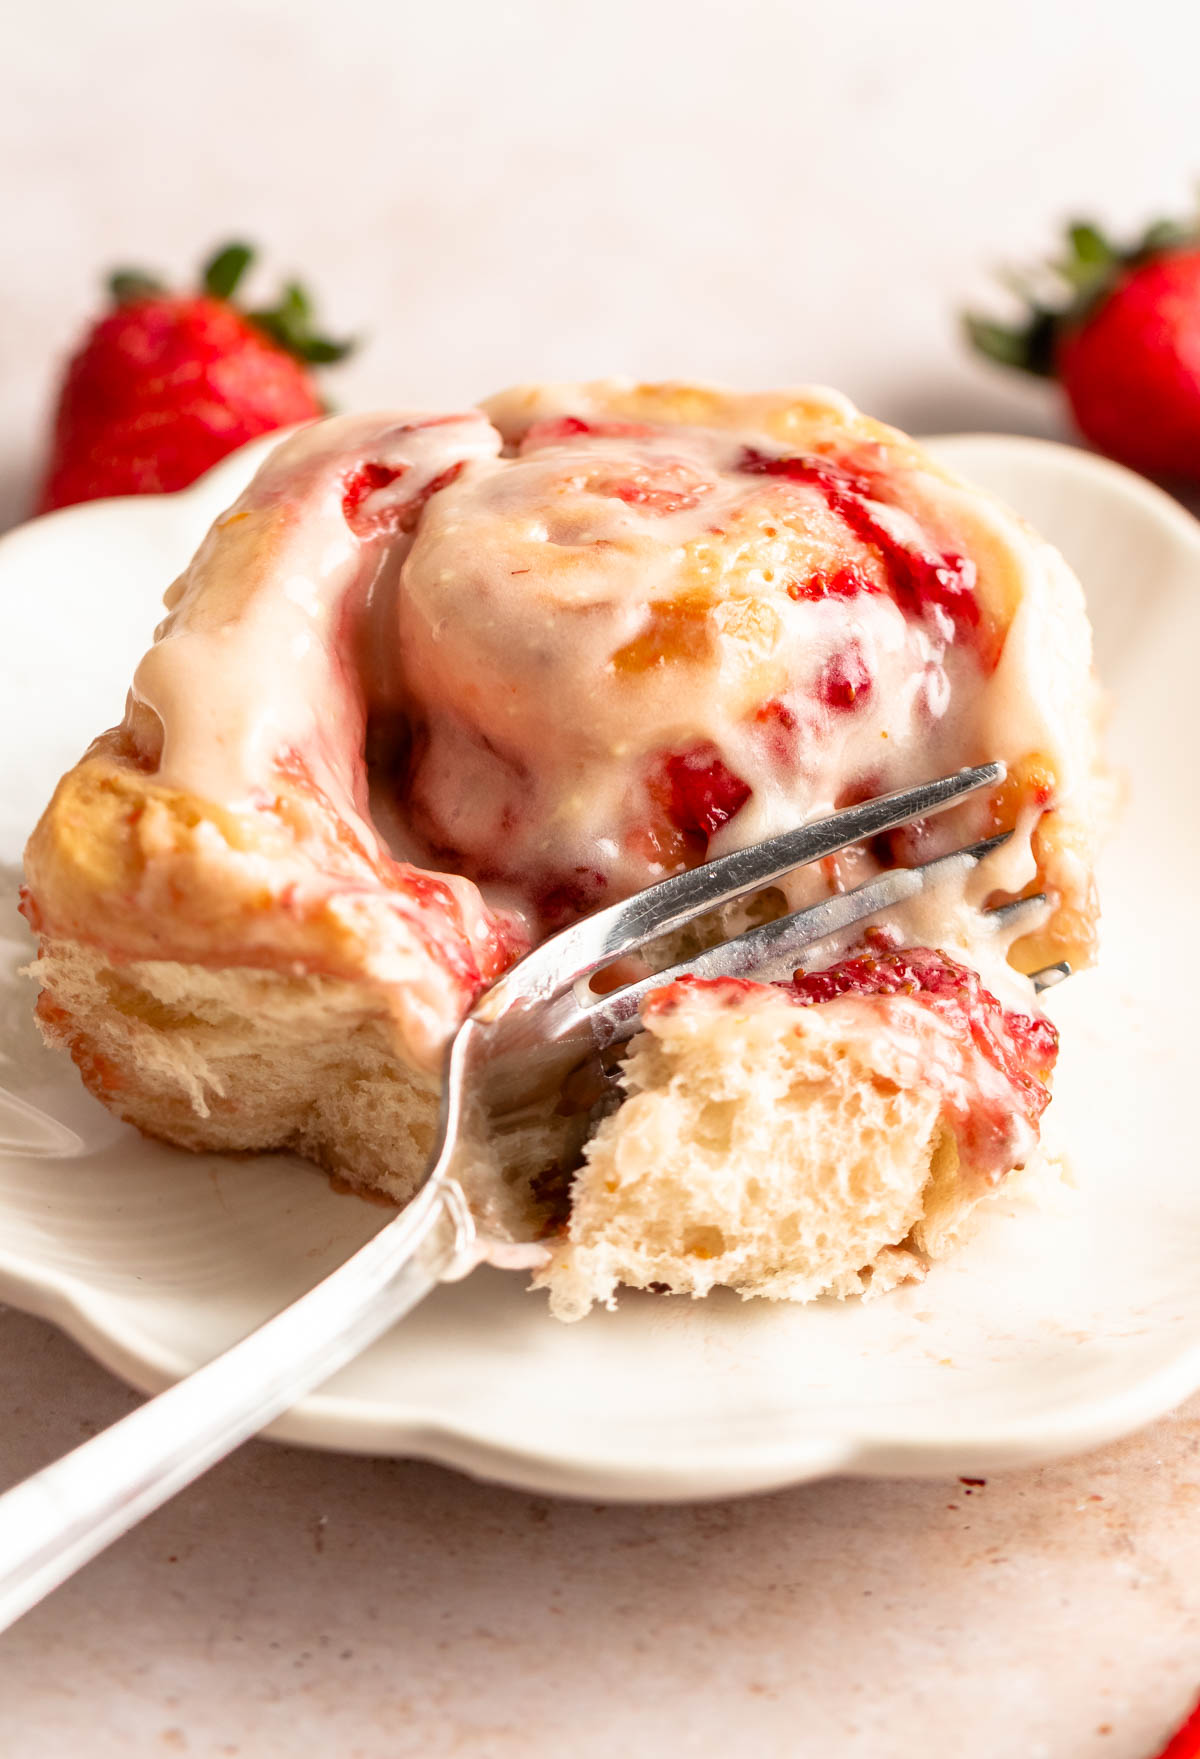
<point x="531" y="1027"/>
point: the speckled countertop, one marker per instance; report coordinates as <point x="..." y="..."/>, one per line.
<point x="753" y="190"/>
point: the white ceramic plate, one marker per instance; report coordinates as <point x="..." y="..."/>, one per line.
<point x="1055" y="1329"/>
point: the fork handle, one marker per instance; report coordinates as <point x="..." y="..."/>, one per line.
<point x="54" y="1522"/>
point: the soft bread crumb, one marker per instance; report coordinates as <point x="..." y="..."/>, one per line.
<point x="782" y="1152"/>
<point x="243" y="1060"/>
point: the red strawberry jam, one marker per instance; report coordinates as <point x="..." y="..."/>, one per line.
<point x="845" y="681"/>
<point x="921" y="585"/>
<point x="358" y="486"/>
<point x="704" y="793"/>
<point x="555" y="430"/>
<point x="1019" y="1048"/>
<point x="656" y="485"/>
<point x="393" y="516"/>
<point x="565" y="897"/>
<point x="667" y="487"/>
<point x="838" y="583"/>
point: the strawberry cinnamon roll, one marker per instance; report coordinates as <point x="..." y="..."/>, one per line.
<point x="438" y="684"/>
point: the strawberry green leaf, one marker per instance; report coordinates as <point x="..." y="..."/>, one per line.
<point x="999" y="342"/>
<point x="324" y="351"/>
<point x="126" y="285"/>
<point x="291" y="324"/>
<point x="275" y="325"/>
<point x="1089" y="244"/>
<point x="1090" y="260"/>
<point x="225" y="268"/>
<point x="1029" y="346"/>
<point x="297" y="305"/>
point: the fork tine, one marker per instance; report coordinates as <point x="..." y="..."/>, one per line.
<point x="1007" y="916"/>
<point x="772" y="948"/>
<point x="1050" y="975"/>
<point x="623" y="928"/>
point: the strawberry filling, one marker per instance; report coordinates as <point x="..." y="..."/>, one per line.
<point x="599" y="667"/>
<point x="939" y="586"/>
<point x="1004" y="1058"/>
<point x="358" y="486"/>
<point x="702" y="792"/>
<point x="669" y="487"/>
<point x="565" y="898"/>
<point x="845" y="681"/>
<point x="368" y="518"/>
<point x="838" y="583"/>
<point x="555" y="429"/>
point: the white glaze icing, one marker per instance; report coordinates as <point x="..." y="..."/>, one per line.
<point x="251" y="661"/>
<point x="552" y="627"/>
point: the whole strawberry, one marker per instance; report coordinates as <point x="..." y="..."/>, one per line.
<point x="166" y="384"/>
<point x="1120" y="327"/>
